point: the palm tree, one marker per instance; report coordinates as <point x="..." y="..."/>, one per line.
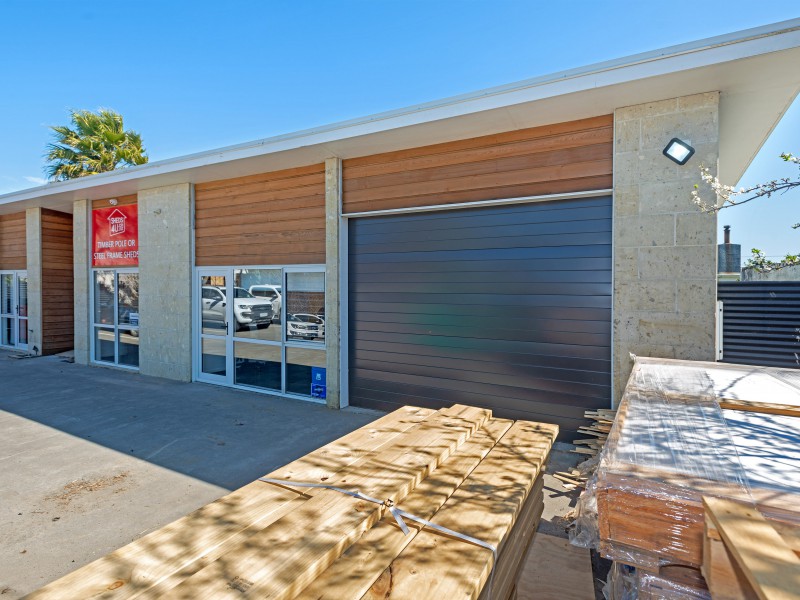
<point x="96" y="143"/>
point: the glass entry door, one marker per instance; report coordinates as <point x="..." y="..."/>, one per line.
<point x="14" y="309"/>
<point x="215" y="312"/>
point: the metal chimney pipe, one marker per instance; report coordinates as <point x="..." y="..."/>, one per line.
<point x="727" y="229"/>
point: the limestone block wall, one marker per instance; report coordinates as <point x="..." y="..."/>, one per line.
<point x="165" y="282"/>
<point x="333" y="179"/>
<point x="665" y="249"/>
<point x="81" y="218"/>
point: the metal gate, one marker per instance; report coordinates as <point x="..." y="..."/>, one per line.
<point x="760" y="322"/>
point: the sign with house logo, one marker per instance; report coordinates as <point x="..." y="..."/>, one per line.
<point x="115" y="236"/>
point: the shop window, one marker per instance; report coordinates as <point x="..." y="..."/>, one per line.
<point x="263" y="328"/>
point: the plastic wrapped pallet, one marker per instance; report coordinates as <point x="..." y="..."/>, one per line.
<point x="673" y="441"/>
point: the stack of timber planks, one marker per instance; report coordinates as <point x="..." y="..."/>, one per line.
<point x="685" y="430"/>
<point x="457" y="468"/>
<point x="747" y="557"/>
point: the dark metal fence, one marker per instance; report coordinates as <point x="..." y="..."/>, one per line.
<point x="761" y="322"/>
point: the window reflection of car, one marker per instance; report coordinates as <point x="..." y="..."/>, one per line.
<point x="247" y="309"/>
<point x="271" y="293"/>
<point x="303" y="325"/>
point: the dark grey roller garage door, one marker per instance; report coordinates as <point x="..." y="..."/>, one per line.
<point x="507" y="307"/>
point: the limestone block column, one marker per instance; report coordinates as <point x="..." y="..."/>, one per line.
<point x="665" y="248"/>
<point x="81" y="220"/>
<point x="165" y="282"/>
<point x="333" y="203"/>
<point x="33" y="236"/>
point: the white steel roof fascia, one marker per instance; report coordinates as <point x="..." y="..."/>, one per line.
<point x="692" y="55"/>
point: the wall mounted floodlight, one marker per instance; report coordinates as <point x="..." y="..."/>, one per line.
<point x="678" y="151"/>
<point x="113" y="201"/>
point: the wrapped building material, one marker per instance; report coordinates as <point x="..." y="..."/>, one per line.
<point x="684" y="430"/>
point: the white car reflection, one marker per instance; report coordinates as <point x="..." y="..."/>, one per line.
<point x="305" y="326"/>
<point x="272" y="293"/>
<point x="247" y="309"/>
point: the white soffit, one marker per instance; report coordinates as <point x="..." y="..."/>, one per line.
<point x="755" y="70"/>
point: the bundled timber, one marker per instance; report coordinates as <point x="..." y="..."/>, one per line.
<point x="684" y="430"/>
<point x="473" y="483"/>
<point x="747" y="557"/>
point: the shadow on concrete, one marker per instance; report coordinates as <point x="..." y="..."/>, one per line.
<point x="222" y="436"/>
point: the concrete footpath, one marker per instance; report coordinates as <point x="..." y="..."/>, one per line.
<point x="93" y="458"/>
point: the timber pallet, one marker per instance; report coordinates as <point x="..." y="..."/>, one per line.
<point x="474" y="483"/>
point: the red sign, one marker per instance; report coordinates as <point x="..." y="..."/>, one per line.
<point x="115" y="236"/>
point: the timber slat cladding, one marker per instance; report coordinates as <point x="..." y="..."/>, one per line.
<point x="121" y="201"/>
<point x="567" y="157"/>
<point x="13" y="250"/>
<point x="57" y="282"/>
<point x="274" y="540"/>
<point x="271" y="218"/>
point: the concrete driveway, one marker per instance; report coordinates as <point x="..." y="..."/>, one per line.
<point x="93" y="458"/>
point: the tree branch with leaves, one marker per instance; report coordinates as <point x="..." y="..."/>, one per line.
<point x="94" y="143"/>
<point x="728" y="196"/>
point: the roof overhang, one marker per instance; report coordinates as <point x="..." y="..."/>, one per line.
<point x="756" y="72"/>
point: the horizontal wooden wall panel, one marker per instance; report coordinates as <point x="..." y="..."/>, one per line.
<point x="271" y="218"/>
<point x="13" y="249"/>
<point x="562" y="158"/>
<point x="121" y="201"/>
<point x="57" y="282"/>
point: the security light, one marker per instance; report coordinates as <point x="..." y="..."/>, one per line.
<point x="113" y="201"/>
<point x="678" y="151"/>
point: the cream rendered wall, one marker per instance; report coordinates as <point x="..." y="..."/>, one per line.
<point x="165" y="282"/>
<point x="665" y="249"/>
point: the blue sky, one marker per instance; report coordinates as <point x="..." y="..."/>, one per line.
<point x="191" y="76"/>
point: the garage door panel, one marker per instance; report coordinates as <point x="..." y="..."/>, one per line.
<point x="488" y="243"/>
<point x="506" y="232"/>
<point x="486" y="346"/>
<point x="543" y="212"/>
<point x="471" y="380"/>
<point x="496" y="301"/>
<point x="506" y="288"/>
<point x="506" y="307"/>
<point x="410" y="363"/>
<point x="461" y="227"/>
<point x="480" y="355"/>
<point x="510" y="312"/>
<point x="537" y="402"/>
<point x="377" y="331"/>
<point x="512" y="265"/>
<point x="385" y="321"/>
<point x="483" y="277"/>
<point x="498" y="254"/>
